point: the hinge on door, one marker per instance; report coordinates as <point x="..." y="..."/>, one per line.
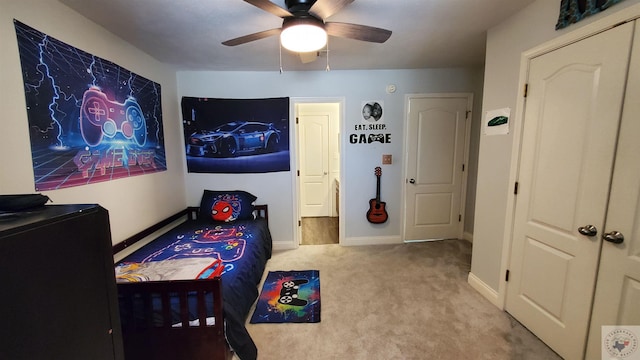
<point x="296" y="120"/>
<point x="462" y="167"/>
<point x="299" y="222"/>
<point x="515" y="189"/>
<point x="459" y="217"/>
<point x="506" y="276"/>
<point x="298" y="172"/>
<point x="526" y="89"/>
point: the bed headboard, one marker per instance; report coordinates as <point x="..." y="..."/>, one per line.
<point x="260" y="211"/>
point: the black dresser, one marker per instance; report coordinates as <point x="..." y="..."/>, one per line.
<point x="58" y="297"/>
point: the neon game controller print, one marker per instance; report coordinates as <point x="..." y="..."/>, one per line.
<point x="289" y="293"/>
<point x="101" y="117"/>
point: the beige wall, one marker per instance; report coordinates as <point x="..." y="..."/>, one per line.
<point x="133" y="203"/>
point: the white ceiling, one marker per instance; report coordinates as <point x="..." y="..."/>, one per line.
<point x="188" y="33"/>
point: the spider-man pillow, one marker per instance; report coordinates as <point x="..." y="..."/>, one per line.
<point x="227" y="206"/>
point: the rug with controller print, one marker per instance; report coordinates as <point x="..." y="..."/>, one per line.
<point x="289" y="297"/>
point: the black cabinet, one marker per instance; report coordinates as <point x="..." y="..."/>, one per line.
<point x="58" y="297"/>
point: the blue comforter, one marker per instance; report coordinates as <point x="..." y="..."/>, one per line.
<point x="244" y="248"/>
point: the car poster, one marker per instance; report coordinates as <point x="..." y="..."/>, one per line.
<point x="89" y="119"/>
<point x="236" y="135"/>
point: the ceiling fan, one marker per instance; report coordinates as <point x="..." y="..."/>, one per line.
<point x="304" y="28"/>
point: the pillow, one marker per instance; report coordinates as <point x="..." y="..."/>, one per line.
<point x="226" y="206"/>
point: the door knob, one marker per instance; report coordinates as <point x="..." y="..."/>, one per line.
<point x="412" y="181"/>
<point x="588" y="230"/>
<point x="615" y="237"/>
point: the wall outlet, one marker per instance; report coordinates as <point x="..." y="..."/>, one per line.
<point x="386" y="159"/>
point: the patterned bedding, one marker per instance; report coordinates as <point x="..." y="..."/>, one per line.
<point x="243" y="248"/>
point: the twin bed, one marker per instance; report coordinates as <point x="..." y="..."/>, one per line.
<point x="186" y="294"/>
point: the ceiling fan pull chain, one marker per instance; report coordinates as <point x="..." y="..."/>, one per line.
<point x="280" y="48"/>
<point x="328" y="68"/>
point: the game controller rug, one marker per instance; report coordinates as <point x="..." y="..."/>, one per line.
<point x="289" y="297"/>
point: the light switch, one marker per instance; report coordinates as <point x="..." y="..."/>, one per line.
<point x="386" y="159"/>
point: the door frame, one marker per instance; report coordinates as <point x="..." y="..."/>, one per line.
<point x="294" y="101"/>
<point x="606" y="23"/>
<point x="465" y="173"/>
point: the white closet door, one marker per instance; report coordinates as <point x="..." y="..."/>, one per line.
<point x="617" y="297"/>
<point x="569" y="134"/>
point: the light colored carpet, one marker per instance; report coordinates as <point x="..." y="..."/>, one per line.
<point x="408" y="301"/>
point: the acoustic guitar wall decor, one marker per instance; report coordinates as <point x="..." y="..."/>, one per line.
<point x="377" y="213"/>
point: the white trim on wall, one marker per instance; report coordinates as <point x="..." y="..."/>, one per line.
<point x="281" y="245"/>
<point x="372" y="240"/>
<point x="484" y="289"/>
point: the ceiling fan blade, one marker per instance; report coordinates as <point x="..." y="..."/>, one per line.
<point x="307" y="57"/>
<point x="252" y="37"/>
<point x="325" y="8"/>
<point x="357" y="32"/>
<point x="270" y="7"/>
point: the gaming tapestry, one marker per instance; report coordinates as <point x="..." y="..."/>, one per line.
<point x="90" y="120"/>
<point x="236" y="135"/>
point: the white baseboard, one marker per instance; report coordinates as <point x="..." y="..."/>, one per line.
<point x="281" y="245"/>
<point x="484" y="290"/>
<point x="371" y="240"/>
<point x="467" y="236"/>
<point x="352" y="241"/>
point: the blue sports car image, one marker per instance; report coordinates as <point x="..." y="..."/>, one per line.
<point x="234" y="138"/>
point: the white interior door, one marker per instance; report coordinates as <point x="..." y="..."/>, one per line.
<point x="314" y="165"/>
<point x="569" y="134"/>
<point x="617" y="297"/>
<point x="436" y="143"/>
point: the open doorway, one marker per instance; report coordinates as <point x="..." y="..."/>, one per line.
<point x="318" y="129"/>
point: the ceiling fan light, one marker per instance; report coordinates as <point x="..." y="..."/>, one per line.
<point x="303" y="37"/>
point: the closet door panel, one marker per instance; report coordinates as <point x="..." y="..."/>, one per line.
<point x="617" y="293"/>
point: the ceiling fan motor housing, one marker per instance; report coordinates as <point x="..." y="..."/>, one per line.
<point x="305" y="19"/>
<point x="304" y="28"/>
<point x="299" y="5"/>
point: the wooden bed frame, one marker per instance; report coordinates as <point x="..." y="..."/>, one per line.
<point x="145" y="338"/>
